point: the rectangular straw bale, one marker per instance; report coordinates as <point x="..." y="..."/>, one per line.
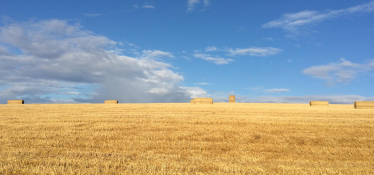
<point x="232" y="99"/>
<point x="111" y="102"/>
<point x="364" y="104"/>
<point x="192" y="101"/>
<point x="16" y="102"/>
<point x="202" y="101"/>
<point x="318" y="103"/>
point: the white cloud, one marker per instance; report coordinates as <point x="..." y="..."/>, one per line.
<point x="92" y="14"/>
<point x="73" y="93"/>
<point x="195" y="92"/>
<point x="292" y="22"/>
<point x="211" y="48"/>
<point x="215" y="60"/>
<point x="3" y="51"/>
<point x="136" y="6"/>
<point x="263" y="90"/>
<point x="156" y="54"/>
<point x="342" y="71"/>
<point x="148" y="6"/>
<point x="268" y="38"/>
<point x="60" y="60"/>
<point x="206" y="2"/>
<point x="332" y="99"/>
<point x="202" y="83"/>
<point x="255" y="51"/>
<point x="191" y="4"/>
<point x="277" y="90"/>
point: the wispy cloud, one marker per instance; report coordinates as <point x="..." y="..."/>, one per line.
<point x="277" y="90"/>
<point x="255" y="51"/>
<point x="148" y="6"/>
<point x="211" y="48"/>
<point x="206" y="2"/>
<point x="262" y="89"/>
<point x="292" y="22"/>
<point x="92" y="14"/>
<point x="191" y="4"/>
<point x="215" y="60"/>
<point x="156" y="54"/>
<point x="202" y="83"/>
<point x="342" y="71"/>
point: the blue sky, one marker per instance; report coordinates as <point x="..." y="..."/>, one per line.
<point x="171" y="51"/>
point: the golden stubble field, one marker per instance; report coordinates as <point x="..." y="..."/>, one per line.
<point x="186" y="139"/>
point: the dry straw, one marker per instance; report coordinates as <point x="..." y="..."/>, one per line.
<point x="16" y="101"/>
<point x="364" y="104"/>
<point x="111" y="102"/>
<point x="192" y="101"/>
<point x="318" y="103"/>
<point x="202" y="101"/>
<point x="232" y="99"/>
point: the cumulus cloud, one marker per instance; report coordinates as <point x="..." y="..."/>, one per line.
<point x="60" y="62"/>
<point x="333" y="99"/>
<point x="215" y="60"/>
<point x="255" y="51"/>
<point x="342" y="71"/>
<point x="292" y="22"/>
<point x="191" y="4"/>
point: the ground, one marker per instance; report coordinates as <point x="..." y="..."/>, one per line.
<point x="186" y="138"/>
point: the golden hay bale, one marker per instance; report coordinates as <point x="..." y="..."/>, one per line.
<point x="202" y="101"/>
<point x="111" y="102"/>
<point x="16" y="102"/>
<point x="364" y="104"/>
<point x="232" y="99"/>
<point x="318" y="103"/>
<point x="192" y="101"/>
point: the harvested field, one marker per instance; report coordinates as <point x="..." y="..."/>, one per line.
<point x="111" y="101"/>
<point x="185" y="138"/>
<point x="202" y="101"/>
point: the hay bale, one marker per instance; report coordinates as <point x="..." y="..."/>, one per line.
<point x="192" y="101"/>
<point x="16" y="102"/>
<point x="232" y="99"/>
<point x="364" y="104"/>
<point x="318" y="103"/>
<point x="111" y="102"/>
<point x="202" y="101"/>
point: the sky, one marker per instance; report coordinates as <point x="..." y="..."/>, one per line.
<point x="137" y="51"/>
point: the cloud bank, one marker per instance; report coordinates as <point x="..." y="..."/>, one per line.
<point x="332" y="99"/>
<point x="52" y="61"/>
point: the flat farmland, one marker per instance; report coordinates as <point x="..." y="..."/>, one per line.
<point x="183" y="138"/>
